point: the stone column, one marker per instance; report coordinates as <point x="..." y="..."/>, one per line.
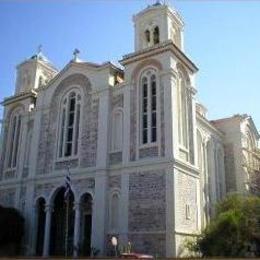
<point x="126" y="135"/>
<point x="47" y="231"/>
<point x="76" y="230"/>
<point x="168" y="79"/>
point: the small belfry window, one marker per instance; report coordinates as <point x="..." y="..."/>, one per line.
<point x="147" y="36"/>
<point x="14" y="139"/>
<point x="148" y="107"/>
<point x="156" y="35"/>
<point x="69" y="124"/>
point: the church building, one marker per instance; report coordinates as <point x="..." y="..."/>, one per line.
<point x="143" y="162"/>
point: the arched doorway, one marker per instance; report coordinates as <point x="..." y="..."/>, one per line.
<point x="40" y="216"/>
<point x="86" y="202"/>
<point x="62" y="225"/>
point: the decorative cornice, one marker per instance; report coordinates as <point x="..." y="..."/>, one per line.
<point x="19" y="97"/>
<point x="155" y="50"/>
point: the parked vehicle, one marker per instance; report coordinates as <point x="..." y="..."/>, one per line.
<point x="135" y="256"/>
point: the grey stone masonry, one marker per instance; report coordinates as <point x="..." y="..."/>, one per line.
<point x="147" y="207"/>
<point x="148" y="152"/>
<point x="115" y="158"/>
<point x="152" y="244"/>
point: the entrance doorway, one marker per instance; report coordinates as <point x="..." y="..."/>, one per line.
<point x="40" y="226"/>
<point x="86" y="224"/>
<point x="62" y="225"/>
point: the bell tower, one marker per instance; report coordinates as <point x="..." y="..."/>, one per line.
<point x="34" y="73"/>
<point x="156" y="24"/>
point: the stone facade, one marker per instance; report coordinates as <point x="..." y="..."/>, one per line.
<point x="157" y="184"/>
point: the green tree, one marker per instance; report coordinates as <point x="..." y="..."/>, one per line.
<point x="11" y="230"/>
<point x="234" y="231"/>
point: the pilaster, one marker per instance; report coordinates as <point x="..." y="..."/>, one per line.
<point x="168" y="80"/>
<point x="99" y="212"/>
<point x="36" y="136"/>
<point x="123" y="224"/>
<point x="126" y="135"/>
<point x="103" y="124"/>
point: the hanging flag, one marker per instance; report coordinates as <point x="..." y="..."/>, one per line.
<point x="67" y="186"/>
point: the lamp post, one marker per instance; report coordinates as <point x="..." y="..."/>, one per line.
<point x="114" y="243"/>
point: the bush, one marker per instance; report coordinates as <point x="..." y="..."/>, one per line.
<point x="234" y="231"/>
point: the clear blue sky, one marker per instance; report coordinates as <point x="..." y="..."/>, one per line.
<point x="221" y="37"/>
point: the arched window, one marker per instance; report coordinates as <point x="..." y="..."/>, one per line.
<point x="114" y="212"/>
<point x="69" y="124"/>
<point x="148" y="107"/>
<point x="156" y="35"/>
<point x="117" y="131"/>
<point x="14" y="138"/>
<point x="147" y="36"/>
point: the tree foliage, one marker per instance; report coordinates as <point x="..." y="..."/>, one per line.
<point x="11" y="226"/>
<point x="234" y="231"/>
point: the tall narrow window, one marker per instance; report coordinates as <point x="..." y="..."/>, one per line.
<point x="69" y="124"/>
<point x="149" y="108"/>
<point x="14" y="139"/>
<point x="147" y="36"/>
<point x="153" y="109"/>
<point x="145" y="110"/>
<point x="156" y="35"/>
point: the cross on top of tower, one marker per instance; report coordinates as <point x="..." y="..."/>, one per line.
<point x="76" y="52"/>
<point x="39" y="49"/>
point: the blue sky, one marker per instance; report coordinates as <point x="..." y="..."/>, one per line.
<point x="221" y="37"/>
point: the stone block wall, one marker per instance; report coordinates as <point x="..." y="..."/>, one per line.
<point x="186" y="203"/>
<point x="147" y="211"/>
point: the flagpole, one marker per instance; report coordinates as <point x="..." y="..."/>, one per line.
<point x="67" y="225"/>
<point x="67" y="201"/>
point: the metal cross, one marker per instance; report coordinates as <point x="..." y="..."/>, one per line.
<point x="76" y="53"/>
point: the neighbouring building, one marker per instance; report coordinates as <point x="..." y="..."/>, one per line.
<point x="145" y="163"/>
